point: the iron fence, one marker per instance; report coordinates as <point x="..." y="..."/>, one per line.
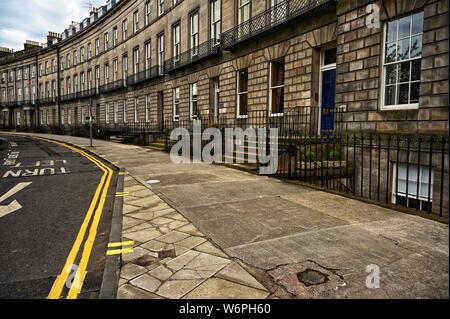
<point x="195" y="54"/>
<point x="147" y="74"/>
<point x="111" y="86"/>
<point x="408" y="171"/>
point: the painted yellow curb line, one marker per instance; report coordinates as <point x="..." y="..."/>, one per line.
<point x="124" y="243"/>
<point x="60" y="281"/>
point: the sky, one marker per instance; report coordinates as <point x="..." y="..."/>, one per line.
<point x="22" y="20"/>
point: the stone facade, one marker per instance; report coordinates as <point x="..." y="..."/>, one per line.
<point x="359" y="68"/>
<point x="360" y="51"/>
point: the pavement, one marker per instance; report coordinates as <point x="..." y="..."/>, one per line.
<point x="53" y="188"/>
<point x="208" y="231"/>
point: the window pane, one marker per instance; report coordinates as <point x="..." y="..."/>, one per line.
<point x="416" y="46"/>
<point x="242" y="104"/>
<point x="415" y="70"/>
<point x="391" y="31"/>
<point x="403" y="93"/>
<point x="243" y="81"/>
<point x="417" y="22"/>
<point x="391" y="52"/>
<point x="389" y="95"/>
<point x="277" y="73"/>
<point x="404" y="27"/>
<point x="330" y="56"/>
<point x="403" y="72"/>
<point x="403" y="49"/>
<point x="415" y="92"/>
<point x="391" y="74"/>
<point x="277" y="100"/>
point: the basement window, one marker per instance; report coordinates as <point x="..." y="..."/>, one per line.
<point x="413" y="186"/>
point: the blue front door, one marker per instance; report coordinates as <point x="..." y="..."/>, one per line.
<point x="328" y="101"/>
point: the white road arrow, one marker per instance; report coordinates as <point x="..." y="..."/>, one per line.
<point x="12" y="207"/>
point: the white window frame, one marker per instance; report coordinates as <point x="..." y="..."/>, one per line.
<point x="148" y="55"/>
<point x="147" y="108"/>
<point x="107" y="112"/>
<point x="106" y="73"/>
<point x="215" y="22"/>
<point x="192" y="100"/>
<point x="176" y="39"/>
<point x="82" y="54"/>
<point x="175" y="103"/>
<point x="161" y="7"/>
<point x="124" y="29"/>
<point x="83" y="116"/>
<point x="97" y="47"/>
<point x="106" y="41"/>
<point x="194" y="33"/>
<point x="115" y="36"/>
<point x="136" y="110"/>
<point x="136" y="60"/>
<point x="161" y="53"/>
<point x="413" y="175"/>
<point x="63" y="116"/>
<point x="243" y="5"/>
<point x="115" y="70"/>
<point x="89" y="51"/>
<point x="125" y="111"/>
<point x="238" y="94"/>
<point x="116" y="112"/>
<point x="410" y="106"/>
<point x="135" y="21"/>
<point x="148" y="12"/>
<point x="69" y="116"/>
<point x="273" y="88"/>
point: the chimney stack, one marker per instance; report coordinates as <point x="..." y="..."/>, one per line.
<point x="53" y="37"/>
<point x="29" y="44"/>
<point x="5" y="52"/>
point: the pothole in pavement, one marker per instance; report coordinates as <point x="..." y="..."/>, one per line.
<point x="311" y="277"/>
<point x="307" y="279"/>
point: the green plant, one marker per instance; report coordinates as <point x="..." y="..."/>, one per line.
<point x="334" y="156"/>
<point x="310" y="157"/>
<point x="198" y="115"/>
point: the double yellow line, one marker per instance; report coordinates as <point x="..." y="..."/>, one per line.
<point x="94" y="213"/>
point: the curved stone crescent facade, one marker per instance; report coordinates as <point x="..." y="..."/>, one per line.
<point x="383" y="64"/>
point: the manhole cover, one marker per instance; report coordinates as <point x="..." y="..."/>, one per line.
<point x="311" y="277"/>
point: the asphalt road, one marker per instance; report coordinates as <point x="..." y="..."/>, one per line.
<point x="35" y="240"/>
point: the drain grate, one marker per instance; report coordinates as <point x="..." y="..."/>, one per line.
<point x="311" y="277"/>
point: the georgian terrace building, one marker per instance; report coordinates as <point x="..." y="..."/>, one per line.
<point x="382" y="64"/>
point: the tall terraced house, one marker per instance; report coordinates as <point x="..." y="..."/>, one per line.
<point x="358" y="89"/>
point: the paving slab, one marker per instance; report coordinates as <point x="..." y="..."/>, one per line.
<point x="220" y="288"/>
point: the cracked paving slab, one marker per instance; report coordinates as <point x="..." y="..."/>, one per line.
<point x="172" y="258"/>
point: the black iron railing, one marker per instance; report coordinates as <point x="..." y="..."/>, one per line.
<point x="403" y="171"/>
<point x="87" y="93"/>
<point x="145" y="75"/>
<point x="46" y="100"/>
<point x="203" y="50"/>
<point x="111" y="86"/>
<point x="276" y="15"/>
